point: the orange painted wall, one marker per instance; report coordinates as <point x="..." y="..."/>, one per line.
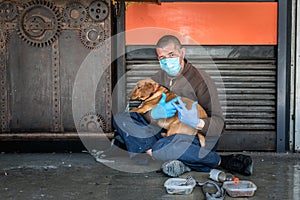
<point x="218" y="23"/>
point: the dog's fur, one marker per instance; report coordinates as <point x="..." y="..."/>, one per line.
<point x="150" y="93"/>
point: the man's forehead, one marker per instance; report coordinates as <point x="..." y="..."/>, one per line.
<point x="168" y="48"/>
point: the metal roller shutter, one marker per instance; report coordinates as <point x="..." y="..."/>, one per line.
<point x="249" y="95"/>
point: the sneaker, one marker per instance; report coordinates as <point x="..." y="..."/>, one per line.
<point x="174" y="168"/>
<point x="247" y="161"/>
<point x="237" y="162"/>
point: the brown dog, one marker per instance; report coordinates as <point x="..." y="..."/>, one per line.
<point x="149" y="92"/>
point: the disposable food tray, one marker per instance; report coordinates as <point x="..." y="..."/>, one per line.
<point x="179" y="186"/>
<point x="239" y="188"/>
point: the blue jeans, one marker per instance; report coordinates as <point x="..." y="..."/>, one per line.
<point x="140" y="136"/>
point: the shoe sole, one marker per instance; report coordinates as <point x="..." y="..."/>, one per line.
<point x="174" y="168"/>
<point x="247" y="161"/>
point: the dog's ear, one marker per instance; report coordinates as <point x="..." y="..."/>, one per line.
<point x="137" y="92"/>
<point x="148" y="87"/>
<point x="146" y="90"/>
<point x="154" y="84"/>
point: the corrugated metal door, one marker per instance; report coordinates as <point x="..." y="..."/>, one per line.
<point x="249" y="95"/>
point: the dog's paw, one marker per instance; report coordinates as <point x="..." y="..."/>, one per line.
<point x="164" y="134"/>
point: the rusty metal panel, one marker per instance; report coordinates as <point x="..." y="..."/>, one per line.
<point x="42" y="46"/>
<point x="72" y="54"/>
<point x="29" y="73"/>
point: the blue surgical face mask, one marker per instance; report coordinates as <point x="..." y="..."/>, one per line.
<point x="170" y="65"/>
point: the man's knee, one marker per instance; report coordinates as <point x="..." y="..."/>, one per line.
<point x="121" y="120"/>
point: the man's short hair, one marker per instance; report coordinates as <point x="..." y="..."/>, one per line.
<point x="167" y="39"/>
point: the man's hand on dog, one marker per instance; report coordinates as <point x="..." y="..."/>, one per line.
<point x="164" y="109"/>
<point x="188" y="117"/>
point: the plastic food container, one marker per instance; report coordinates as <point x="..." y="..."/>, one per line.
<point x="239" y="188"/>
<point x="179" y="186"/>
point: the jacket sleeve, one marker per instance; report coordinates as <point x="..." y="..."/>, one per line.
<point x="207" y="95"/>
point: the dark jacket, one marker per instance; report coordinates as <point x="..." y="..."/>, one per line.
<point x="197" y="85"/>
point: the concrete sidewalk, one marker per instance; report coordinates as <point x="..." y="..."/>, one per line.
<point x="66" y="176"/>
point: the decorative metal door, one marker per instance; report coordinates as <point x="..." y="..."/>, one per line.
<point x="42" y="47"/>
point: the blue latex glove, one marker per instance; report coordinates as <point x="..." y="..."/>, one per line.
<point x="164" y="109"/>
<point x="188" y="117"/>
